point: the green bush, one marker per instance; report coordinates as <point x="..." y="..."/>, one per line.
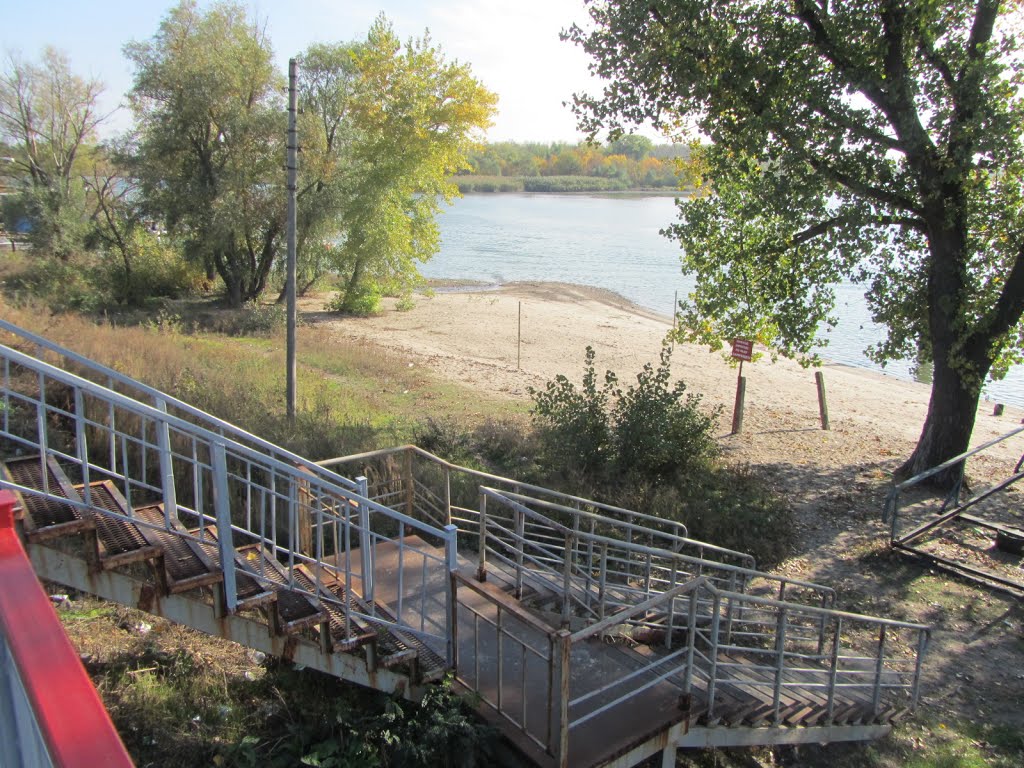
<point x="648" y="431"/>
<point x="362" y="301"/>
<point x="575" y="424"/>
<point x="651" y="447"/>
<point x="154" y="270"/>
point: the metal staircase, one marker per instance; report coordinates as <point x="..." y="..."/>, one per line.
<point x="590" y="635"/>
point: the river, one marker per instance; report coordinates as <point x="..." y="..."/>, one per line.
<point x="612" y="242"/>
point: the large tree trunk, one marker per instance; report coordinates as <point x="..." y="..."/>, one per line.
<point x="947" y="428"/>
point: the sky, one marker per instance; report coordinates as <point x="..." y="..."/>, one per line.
<point x="511" y="45"/>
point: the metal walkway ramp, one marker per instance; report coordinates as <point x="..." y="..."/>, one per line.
<point x="589" y="635"/>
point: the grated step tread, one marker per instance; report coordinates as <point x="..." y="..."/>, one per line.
<point x="46" y="518"/>
<point x="186" y="565"/>
<point x="120" y="541"/>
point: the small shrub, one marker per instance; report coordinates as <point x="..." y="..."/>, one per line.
<point x="258" y="319"/>
<point x="574" y="423"/>
<point x="361" y="301"/>
<point x="405" y="303"/>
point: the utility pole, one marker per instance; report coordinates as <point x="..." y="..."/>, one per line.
<point x="293" y="170"/>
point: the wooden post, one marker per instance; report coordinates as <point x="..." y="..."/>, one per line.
<point x="737" y="409"/>
<point x="822" y="403"/>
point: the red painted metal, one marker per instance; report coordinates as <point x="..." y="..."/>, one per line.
<point x="75" y="726"/>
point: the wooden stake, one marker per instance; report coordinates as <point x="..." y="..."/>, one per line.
<point x="819" y="377"/>
<point x="737" y="410"/>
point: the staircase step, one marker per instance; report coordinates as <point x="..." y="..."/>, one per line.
<point x="346" y="634"/>
<point x="120" y="542"/>
<point x="44" y="518"/>
<point x="186" y="565"/>
<point x="296" y="610"/>
<point x="249" y="593"/>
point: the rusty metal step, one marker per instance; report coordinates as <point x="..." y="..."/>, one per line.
<point x="46" y="518"/>
<point x="295" y="609"/>
<point x="394" y="648"/>
<point x="249" y="593"/>
<point x="119" y="541"/>
<point x="346" y="634"/>
<point x="185" y="565"/>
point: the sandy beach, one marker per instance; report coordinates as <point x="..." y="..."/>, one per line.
<point x="470" y="336"/>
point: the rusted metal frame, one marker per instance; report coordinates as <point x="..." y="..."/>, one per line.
<point x="500" y="634"/>
<point x="946" y="517"/>
<point x="962" y="568"/>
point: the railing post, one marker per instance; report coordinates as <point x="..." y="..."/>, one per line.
<point x="671" y="607"/>
<point x="691" y="631"/>
<point x="222" y="512"/>
<point x="365" y="542"/>
<point x="564" y="644"/>
<point x="410" y="486"/>
<point x="780" y="662"/>
<point x="163" y="441"/>
<point x="879" y="670"/>
<point x="520" y="528"/>
<point x="833" y="670"/>
<point x="82" y="446"/>
<point x="713" y="672"/>
<point x="567" y="578"/>
<point x="451" y="550"/>
<point x="447" y="496"/>
<point x="922" y="645"/>
<point x="481" y="567"/>
<point x="603" y="580"/>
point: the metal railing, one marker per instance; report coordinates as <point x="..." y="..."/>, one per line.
<point x="115" y="380"/>
<point x="528" y="666"/>
<point x="229" y="495"/>
<point x="593" y="574"/>
<point x="911" y="523"/>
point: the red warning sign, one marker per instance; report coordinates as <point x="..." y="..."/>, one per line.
<point x="743" y="349"/>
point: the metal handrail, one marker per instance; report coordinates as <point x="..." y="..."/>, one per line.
<point x="225" y="428"/>
<point x="487" y="476"/>
<point x="284" y="478"/>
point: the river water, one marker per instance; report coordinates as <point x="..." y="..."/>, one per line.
<point x="612" y="242"/>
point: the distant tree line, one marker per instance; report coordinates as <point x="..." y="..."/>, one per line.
<point x="629" y="162"/>
<point x="194" y="194"/>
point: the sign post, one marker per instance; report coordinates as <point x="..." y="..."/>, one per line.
<point x="742" y="350"/>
